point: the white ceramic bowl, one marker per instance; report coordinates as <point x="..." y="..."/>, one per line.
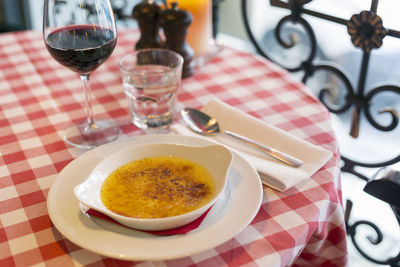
<point x="215" y="158"/>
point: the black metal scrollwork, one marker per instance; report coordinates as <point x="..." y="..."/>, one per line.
<point x="367" y="32"/>
<point x="351" y="230"/>
<point x="335" y="70"/>
<point x="391" y="111"/>
<point x="306" y="65"/>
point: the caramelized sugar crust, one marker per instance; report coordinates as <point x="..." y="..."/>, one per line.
<point x="157" y="187"/>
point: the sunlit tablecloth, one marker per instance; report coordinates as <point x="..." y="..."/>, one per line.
<point x="39" y="98"/>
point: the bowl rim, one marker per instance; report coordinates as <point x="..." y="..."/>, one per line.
<point x="199" y="210"/>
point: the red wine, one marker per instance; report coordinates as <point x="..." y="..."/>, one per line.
<point x="81" y="48"/>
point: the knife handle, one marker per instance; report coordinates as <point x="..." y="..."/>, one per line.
<point x="283" y="157"/>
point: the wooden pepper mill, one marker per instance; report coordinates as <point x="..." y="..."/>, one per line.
<point x="175" y="23"/>
<point x="147" y="13"/>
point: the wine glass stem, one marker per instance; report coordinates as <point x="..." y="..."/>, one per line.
<point x="88" y="97"/>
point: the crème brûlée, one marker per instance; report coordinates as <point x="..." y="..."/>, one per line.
<point x="157" y="187"/>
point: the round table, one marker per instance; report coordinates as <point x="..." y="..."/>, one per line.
<point x="39" y="98"/>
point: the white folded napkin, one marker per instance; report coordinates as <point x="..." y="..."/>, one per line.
<point x="273" y="173"/>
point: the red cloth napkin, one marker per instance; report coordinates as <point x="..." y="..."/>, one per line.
<point x="175" y="231"/>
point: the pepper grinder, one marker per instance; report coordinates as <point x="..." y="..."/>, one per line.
<point x="146" y="13"/>
<point x="175" y="23"/>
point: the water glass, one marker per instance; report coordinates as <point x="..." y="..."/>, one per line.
<point x="151" y="78"/>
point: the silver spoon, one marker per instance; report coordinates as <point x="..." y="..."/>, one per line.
<point x="201" y="123"/>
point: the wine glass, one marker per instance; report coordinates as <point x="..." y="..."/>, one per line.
<point x="81" y="35"/>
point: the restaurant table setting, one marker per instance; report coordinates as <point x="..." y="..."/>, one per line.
<point x="269" y="213"/>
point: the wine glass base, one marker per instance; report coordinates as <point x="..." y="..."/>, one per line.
<point x="88" y="136"/>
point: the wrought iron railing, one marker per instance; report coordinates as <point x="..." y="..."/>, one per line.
<point x="367" y="33"/>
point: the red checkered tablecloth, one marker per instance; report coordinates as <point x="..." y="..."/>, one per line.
<point x="39" y="98"/>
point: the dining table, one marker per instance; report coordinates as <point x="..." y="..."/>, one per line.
<point x="301" y="226"/>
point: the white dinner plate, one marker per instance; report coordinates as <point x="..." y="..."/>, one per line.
<point x="233" y="211"/>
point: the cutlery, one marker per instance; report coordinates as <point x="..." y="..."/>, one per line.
<point x="201" y="123"/>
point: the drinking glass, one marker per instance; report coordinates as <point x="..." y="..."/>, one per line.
<point x="151" y="78"/>
<point x="81" y="35"/>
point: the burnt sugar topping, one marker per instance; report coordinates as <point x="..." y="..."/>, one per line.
<point x="157" y="187"/>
